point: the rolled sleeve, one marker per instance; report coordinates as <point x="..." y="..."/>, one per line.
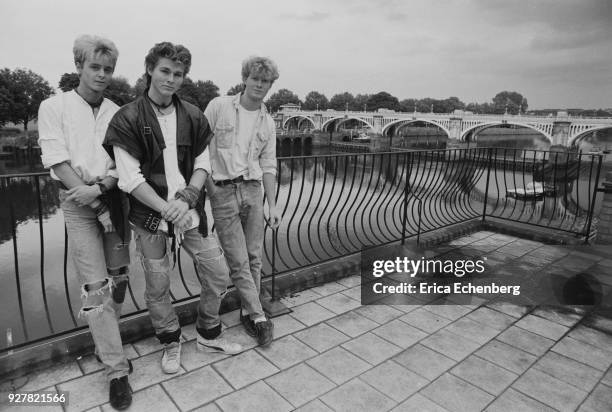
<point x="267" y="159"/>
<point x="128" y="170"/>
<point x="51" y="137"/>
<point x="203" y="161"/>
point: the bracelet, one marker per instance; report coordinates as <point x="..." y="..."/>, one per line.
<point x="189" y="195"/>
<point x="101" y="209"/>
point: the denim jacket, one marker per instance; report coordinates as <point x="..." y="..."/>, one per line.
<point x="222" y="114"/>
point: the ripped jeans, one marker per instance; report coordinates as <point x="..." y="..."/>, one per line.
<point x="101" y="261"/>
<point x="214" y="276"/>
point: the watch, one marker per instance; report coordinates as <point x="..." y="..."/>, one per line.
<point x="103" y="188"/>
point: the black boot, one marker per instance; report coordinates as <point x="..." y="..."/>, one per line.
<point x="120" y="394"/>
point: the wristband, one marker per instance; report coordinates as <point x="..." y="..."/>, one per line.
<point x="101" y="209"/>
<point x="189" y="195"/>
<point x="103" y="188"/>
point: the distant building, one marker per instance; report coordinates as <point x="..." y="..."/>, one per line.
<point x="289" y="107"/>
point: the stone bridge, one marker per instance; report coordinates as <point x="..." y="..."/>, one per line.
<point x="560" y="129"/>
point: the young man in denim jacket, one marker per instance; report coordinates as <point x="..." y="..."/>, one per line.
<point x="242" y="155"/>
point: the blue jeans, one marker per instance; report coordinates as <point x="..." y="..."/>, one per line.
<point x="211" y="266"/>
<point x="101" y="261"/>
<point x="239" y="222"/>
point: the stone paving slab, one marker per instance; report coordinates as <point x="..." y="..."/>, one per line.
<point x="256" y="397"/>
<point x="485" y="375"/>
<point x="379" y="313"/>
<point x="472" y="330"/>
<point x="424" y="361"/>
<point x="583" y="352"/>
<point x="550" y="391"/>
<point x="357" y="396"/>
<point x="526" y="341"/>
<point x="286" y="352"/>
<point x="339" y="365"/>
<point x="563" y="316"/>
<point x="299" y="298"/>
<point x="321" y="337"/>
<point x="450" y="344"/>
<point x="371" y="348"/>
<point x="338" y="303"/>
<point x="352" y="324"/>
<point x="512" y="400"/>
<point x="456" y="394"/>
<point x="400" y="333"/>
<point x="418" y="403"/>
<point x="197" y="388"/>
<point x="491" y="318"/>
<point x="542" y="327"/>
<point x="425" y="320"/>
<point x="506" y="356"/>
<point x="311" y="313"/>
<point x="569" y="371"/>
<point x="393" y="380"/>
<point x="600" y="400"/>
<point x="245" y="368"/>
<point x="300" y="384"/>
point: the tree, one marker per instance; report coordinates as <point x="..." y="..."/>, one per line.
<point x="315" y="101"/>
<point x="361" y="102"/>
<point x="383" y="100"/>
<point x="235" y="89"/>
<point x="513" y="101"/>
<point x="119" y="91"/>
<point x="140" y="86"/>
<point x="407" y="105"/>
<point x="342" y="101"/>
<point x="451" y="104"/>
<point x="69" y="81"/>
<point x="199" y="93"/>
<point x="24" y="90"/>
<point x="283" y="96"/>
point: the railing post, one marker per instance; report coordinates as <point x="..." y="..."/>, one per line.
<point x="486" y="196"/>
<point x="406" y="186"/>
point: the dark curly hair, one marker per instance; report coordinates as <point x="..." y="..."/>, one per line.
<point x="175" y="52"/>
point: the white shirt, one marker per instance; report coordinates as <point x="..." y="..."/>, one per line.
<point x="130" y="174"/>
<point x="69" y="132"/>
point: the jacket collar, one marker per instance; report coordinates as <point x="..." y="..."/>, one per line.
<point x="236" y="102"/>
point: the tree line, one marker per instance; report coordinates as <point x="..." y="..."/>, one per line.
<point x="22" y="91"/>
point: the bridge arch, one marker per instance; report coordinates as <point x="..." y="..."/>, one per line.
<point x="580" y="136"/>
<point x="405" y="122"/>
<point x="486" y="125"/>
<point x="325" y="125"/>
<point x="298" y="116"/>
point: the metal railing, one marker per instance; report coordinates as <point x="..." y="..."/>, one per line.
<point x="332" y="206"/>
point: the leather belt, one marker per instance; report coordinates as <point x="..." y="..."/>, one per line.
<point x="238" y="179"/>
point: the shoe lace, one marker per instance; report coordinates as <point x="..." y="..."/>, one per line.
<point x="172" y="351"/>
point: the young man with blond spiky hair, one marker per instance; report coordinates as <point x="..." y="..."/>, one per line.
<point x="71" y="129"/>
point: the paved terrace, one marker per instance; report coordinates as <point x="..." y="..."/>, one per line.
<point x="331" y="353"/>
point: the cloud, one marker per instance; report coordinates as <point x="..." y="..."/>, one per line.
<point x="307" y="17"/>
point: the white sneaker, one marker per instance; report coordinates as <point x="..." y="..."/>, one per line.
<point x="218" y="345"/>
<point x="171" y="359"/>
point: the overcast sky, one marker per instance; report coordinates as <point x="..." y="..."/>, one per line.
<point x="557" y="53"/>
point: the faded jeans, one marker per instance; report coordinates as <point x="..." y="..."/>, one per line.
<point x="211" y="267"/>
<point x="239" y="221"/>
<point x="101" y="261"/>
